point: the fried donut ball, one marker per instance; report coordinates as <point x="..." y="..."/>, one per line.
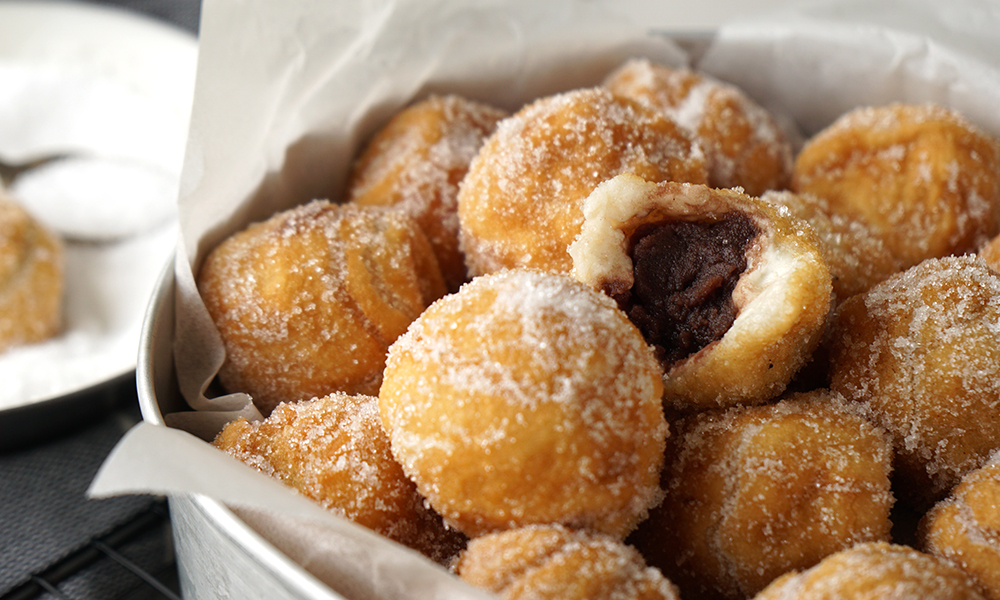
<point x="31" y="277"/>
<point x="733" y="293"/>
<point x="519" y="204"/>
<point x="921" y="176"/>
<point x="550" y="561"/>
<point x="753" y="492"/>
<point x="333" y="450"/>
<point x="965" y="527"/>
<point x="743" y="143"/>
<point x="857" y="257"/>
<point x="921" y="351"/>
<point x="308" y="301"/>
<point x="991" y="253"/>
<point x="527" y="398"/>
<point x="416" y="162"/>
<point x="875" y="571"/>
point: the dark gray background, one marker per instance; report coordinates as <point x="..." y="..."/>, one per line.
<point x="183" y="13"/>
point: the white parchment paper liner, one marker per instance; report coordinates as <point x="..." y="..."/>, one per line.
<point x="286" y="94"/>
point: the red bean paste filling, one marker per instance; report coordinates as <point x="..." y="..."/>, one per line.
<point x="685" y="273"/>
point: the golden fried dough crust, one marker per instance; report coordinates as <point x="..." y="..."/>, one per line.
<point x="753" y="492"/>
<point x="921" y="176"/>
<point x="921" y="351"/>
<point x="875" y="571"/>
<point x="308" y="301"/>
<point x="527" y="398"/>
<point x="334" y="451"/>
<point x="31" y="278"/>
<point x="550" y="561"/>
<point x="965" y="527"/>
<point x="743" y="143"/>
<point x="416" y="161"/>
<point x="519" y="204"/>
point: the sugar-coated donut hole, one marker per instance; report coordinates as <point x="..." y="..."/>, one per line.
<point x="333" y="450"/>
<point x="921" y="351"/>
<point x="416" y="161"/>
<point x="308" y="301"/>
<point x="920" y="176"/>
<point x="519" y="204"/>
<point x="549" y="561"/>
<point x="779" y="285"/>
<point x="527" y="398"/>
<point x="964" y="528"/>
<point x="744" y="145"/>
<point x="873" y="571"/>
<point x="764" y="490"/>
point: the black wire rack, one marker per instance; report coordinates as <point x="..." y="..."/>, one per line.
<point x="134" y="561"/>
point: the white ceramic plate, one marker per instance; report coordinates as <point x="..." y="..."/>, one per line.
<point x="112" y="88"/>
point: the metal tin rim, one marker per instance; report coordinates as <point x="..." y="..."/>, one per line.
<point x="154" y="373"/>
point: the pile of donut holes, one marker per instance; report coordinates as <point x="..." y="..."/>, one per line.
<point x="630" y="341"/>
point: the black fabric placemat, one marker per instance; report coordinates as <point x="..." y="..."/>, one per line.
<point x="45" y="514"/>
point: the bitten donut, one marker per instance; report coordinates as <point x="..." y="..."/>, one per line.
<point x="31" y="277"/>
<point x="308" y="301"/>
<point x="519" y="204"/>
<point x="550" y="561"/>
<point x="856" y="257"/>
<point x="965" y="527"/>
<point x="743" y="143"/>
<point x="333" y="450"/>
<point x="921" y="351"/>
<point x="416" y="161"/>
<point x="733" y="294"/>
<point x="921" y="176"/>
<point x="527" y="398"/>
<point x="754" y="492"/>
<point x="875" y="571"/>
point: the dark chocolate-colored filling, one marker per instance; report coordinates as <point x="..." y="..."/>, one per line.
<point x="685" y="273"/>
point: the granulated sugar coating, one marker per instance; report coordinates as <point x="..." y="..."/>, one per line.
<point x="921" y="351"/>
<point x="334" y="451"/>
<point x="527" y="398"/>
<point x="743" y="143"/>
<point x="551" y="562"/>
<point x="519" y="204"/>
<point x="754" y="492"/>
<point x="308" y="301"/>
<point x="416" y="161"/>
<point x="921" y="176"/>
<point x="965" y="527"/>
<point x="875" y="571"/>
<point x="856" y="256"/>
